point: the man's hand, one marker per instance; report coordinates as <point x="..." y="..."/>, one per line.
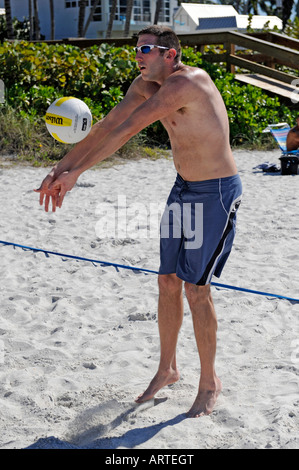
<point x="55" y="188"/>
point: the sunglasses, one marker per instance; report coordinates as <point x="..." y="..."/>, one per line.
<point x="147" y="48"/>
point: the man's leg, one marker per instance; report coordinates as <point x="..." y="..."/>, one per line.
<point x="205" y="329"/>
<point x="170" y="317"/>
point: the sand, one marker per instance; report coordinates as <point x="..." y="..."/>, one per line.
<point x="79" y="341"/>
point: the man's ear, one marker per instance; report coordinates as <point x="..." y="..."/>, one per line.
<point x="171" y="54"/>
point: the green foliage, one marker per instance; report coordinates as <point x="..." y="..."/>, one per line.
<point x="292" y="28"/>
<point x="35" y="74"/>
<point x="250" y="110"/>
<point x="27" y="137"/>
<point x="21" y="28"/>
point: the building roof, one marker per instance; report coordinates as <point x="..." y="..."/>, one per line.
<point x="199" y="10"/>
<point x="258" y="21"/>
<point x="217" y="16"/>
<point x="219" y="23"/>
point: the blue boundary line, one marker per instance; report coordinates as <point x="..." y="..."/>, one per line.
<point x="148" y="271"/>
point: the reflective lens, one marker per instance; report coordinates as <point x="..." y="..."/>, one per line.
<point x="146" y="48"/>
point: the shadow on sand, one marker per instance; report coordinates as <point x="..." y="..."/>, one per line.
<point x="89" y="433"/>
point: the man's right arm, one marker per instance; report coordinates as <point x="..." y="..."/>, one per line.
<point x="101" y="129"/>
<point x="133" y="98"/>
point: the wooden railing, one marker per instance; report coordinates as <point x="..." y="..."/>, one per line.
<point x="285" y="51"/>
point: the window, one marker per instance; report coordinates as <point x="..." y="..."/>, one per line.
<point x="98" y="11"/>
<point x="164" y="15"/>
<point x="121" y="10"/>
<point x="89" y="3"/>
<point x="141" y="10"/>
<point x="72" y="4"/>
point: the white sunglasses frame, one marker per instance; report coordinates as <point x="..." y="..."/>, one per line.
<point x="151" y="46"/>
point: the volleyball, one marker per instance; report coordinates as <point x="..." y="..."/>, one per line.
<point x="68" y="120"/>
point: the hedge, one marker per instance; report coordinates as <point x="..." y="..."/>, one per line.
<point x="35" y="74"/>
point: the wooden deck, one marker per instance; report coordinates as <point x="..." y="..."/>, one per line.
<point x="256" y="58"/>
<point x="271" y="85"/>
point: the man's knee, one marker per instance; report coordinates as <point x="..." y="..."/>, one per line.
<point x="170" y="283"/>
<point x="196" y="293"/>
<point x="201" y="305"/>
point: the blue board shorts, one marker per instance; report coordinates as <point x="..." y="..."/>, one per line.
<point x="198" y="228"/>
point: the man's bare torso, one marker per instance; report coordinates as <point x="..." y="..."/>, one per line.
<point x="198" y="131"/>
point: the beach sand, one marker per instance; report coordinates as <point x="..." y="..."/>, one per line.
<point x="79" y="341"/>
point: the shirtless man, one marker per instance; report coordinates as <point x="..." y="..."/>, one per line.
<point x="293" y="137"/>
<point x="190" y="107"/>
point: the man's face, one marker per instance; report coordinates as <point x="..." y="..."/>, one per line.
<point x="151" y="64"/>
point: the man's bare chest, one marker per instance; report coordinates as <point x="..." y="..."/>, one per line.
<point x="177" y="121"/>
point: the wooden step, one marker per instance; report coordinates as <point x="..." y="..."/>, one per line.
<point x="270" y="84"/>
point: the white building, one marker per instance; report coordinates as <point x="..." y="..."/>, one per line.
<point x="202" y="18"/>
<point x="188" y="18"/>
<point x="66" y="14"/>
<point x="258" y="22"/>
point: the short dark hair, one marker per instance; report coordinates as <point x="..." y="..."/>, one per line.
<point x="166" y="37"/>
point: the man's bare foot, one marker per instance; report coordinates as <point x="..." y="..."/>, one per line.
<point x="205" y="401"/>
<point x="160" y="380"/>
